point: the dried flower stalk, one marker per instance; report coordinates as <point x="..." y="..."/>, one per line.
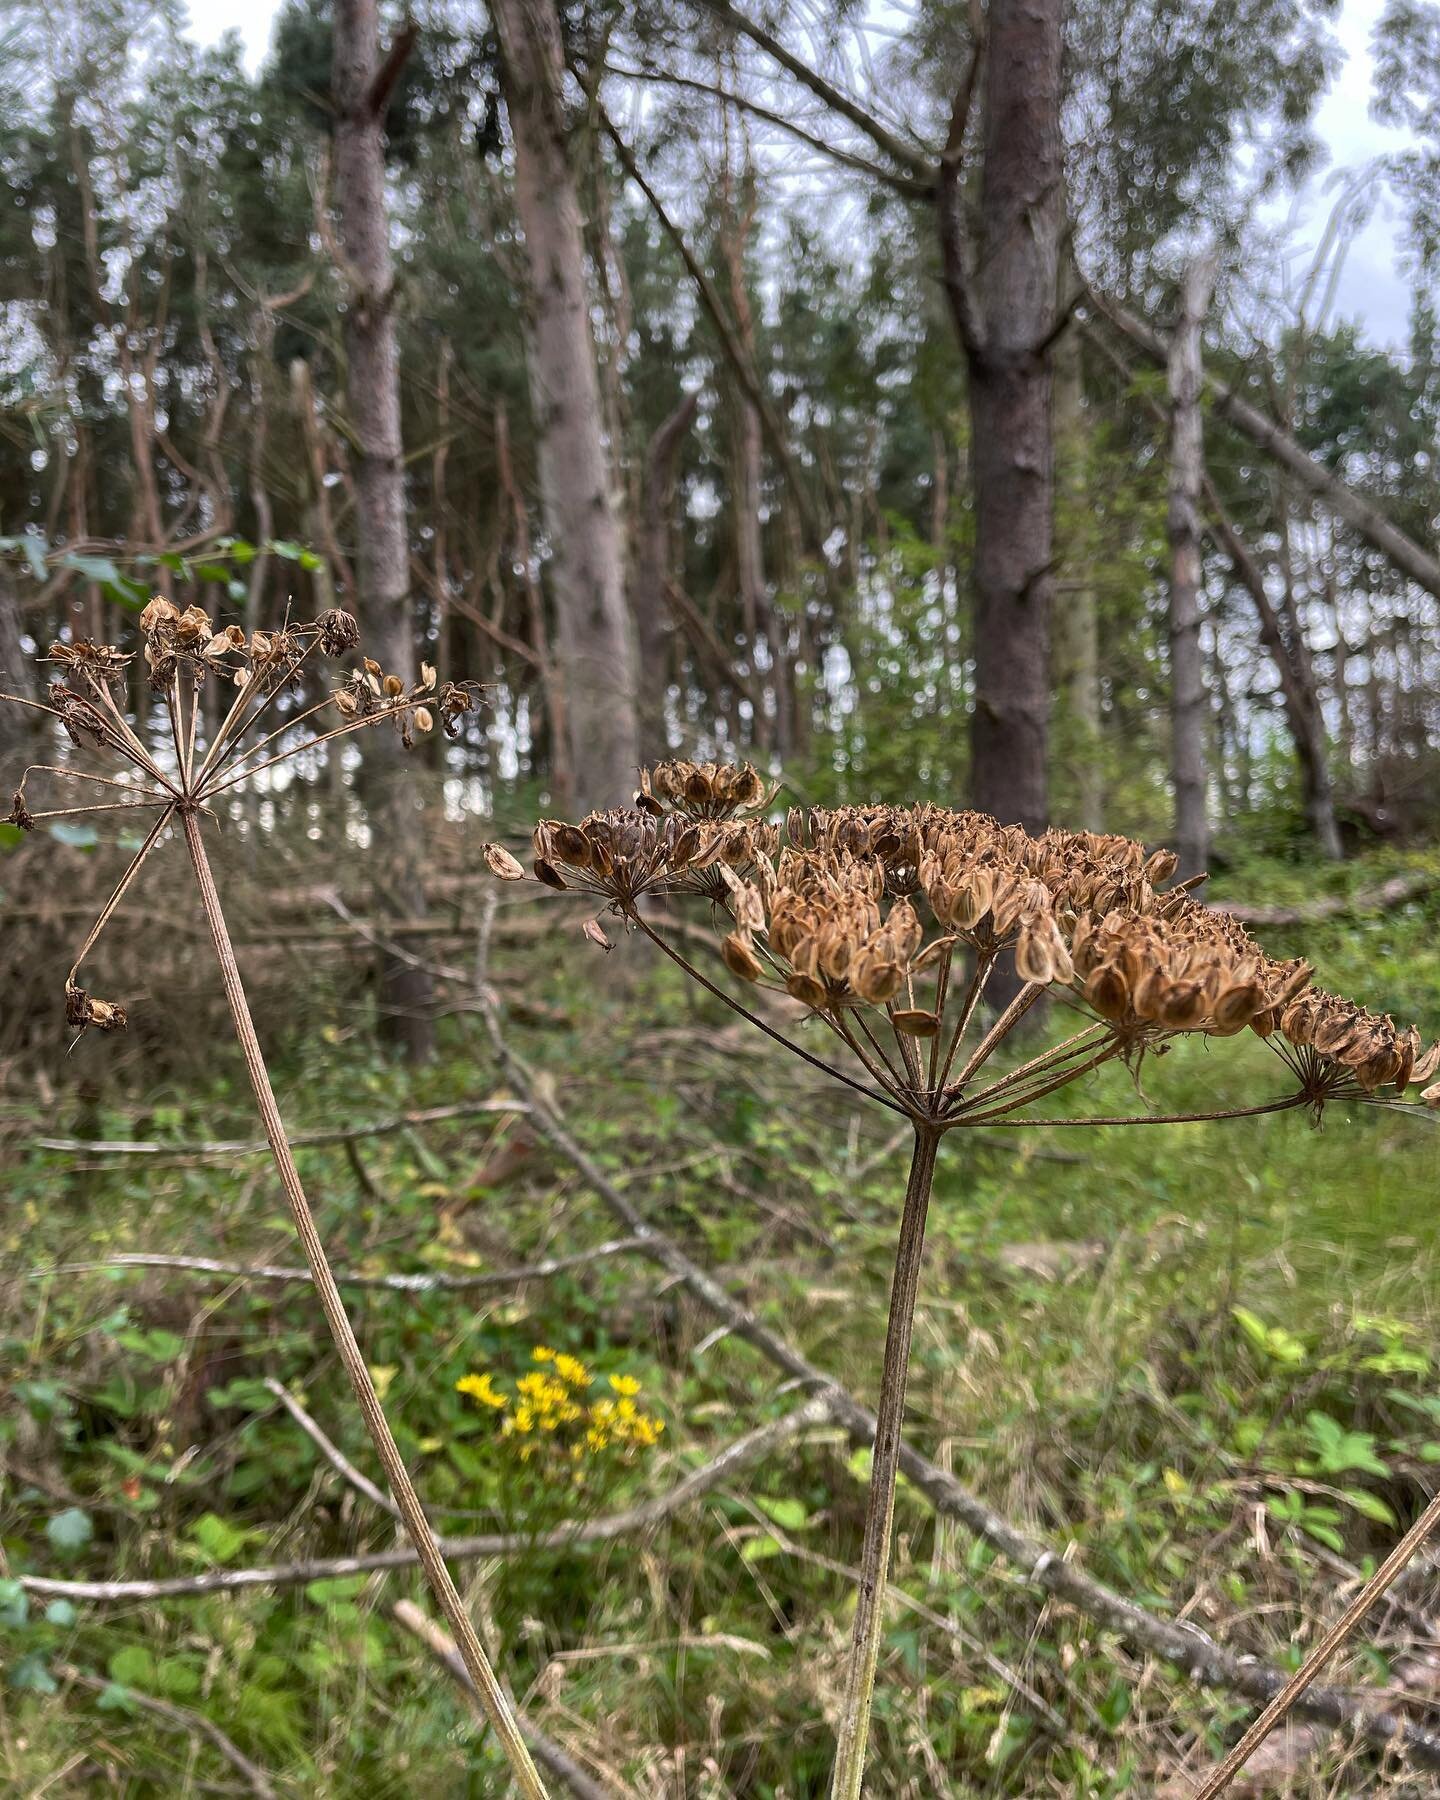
<point x="885" y="923"/>
<point x="182" y="652"/>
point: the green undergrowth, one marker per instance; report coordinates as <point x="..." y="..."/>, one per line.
<point x="1202" y="1360"/>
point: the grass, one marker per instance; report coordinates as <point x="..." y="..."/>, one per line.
<point x="1204" y="1356"/>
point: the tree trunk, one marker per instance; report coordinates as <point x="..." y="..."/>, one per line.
<point x="650" y="578"/>
<point x="1303" y="712"/>
<point x="361" y="84"/>
<point x="593" y="637"/>
<point x="1075" y="645"/>
<point x="1364" y="518"/>
<point x="18" y="724"/>
<point x="1188" y="704"/>
<point x="1005" y="313"/>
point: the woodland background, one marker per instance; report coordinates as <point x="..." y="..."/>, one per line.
<point x="922" y="402"/>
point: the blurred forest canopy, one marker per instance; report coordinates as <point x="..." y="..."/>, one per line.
<point x="793" y="247"/>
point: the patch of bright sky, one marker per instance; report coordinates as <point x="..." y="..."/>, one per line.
<point x="1372" y="287"/>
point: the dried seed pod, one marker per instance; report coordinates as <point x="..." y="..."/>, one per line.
<point x="916" y="1022"/>
<point x="339" y="631"/>
<point x="500" y="862"/>
<point x="20" y="814"/>
<point x="740" y="957"/>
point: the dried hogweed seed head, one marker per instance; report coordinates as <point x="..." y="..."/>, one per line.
<point x="19" y="813"/>
<point x="339" y="631"/>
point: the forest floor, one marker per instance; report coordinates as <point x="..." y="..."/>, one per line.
<point x="1201" y="1361"/>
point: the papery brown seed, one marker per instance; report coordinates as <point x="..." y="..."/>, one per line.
<point x="1182" y="1005"/>
<point x="1266" y="1024"/>
<point x="347" y="703"/>
<point x="592" y="930"/>
<point x="1108" y="992"/>
<point x="500" y="862"/>
<point x="1236" y="1005"/>
<point x="550" y="875"/>
<point x="740" y="958"/>
<point x="916" y="1022"/>
<point x="424" y="719"/>
<point x="1431" y="1095"/>
<point x="1427" y="1065"/>
<point x="572" y="846"/>
<point x="394" y="687"/>
<point x="807" y="990"/>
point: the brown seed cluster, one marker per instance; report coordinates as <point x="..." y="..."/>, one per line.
<point x="370" y="692"/>
<point x="835" y="913"/>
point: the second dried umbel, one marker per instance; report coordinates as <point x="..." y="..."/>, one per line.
<point x="885" y="924"/>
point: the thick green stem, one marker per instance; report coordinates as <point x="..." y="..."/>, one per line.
<point x="407" y="1501"/>
<point x="885" y="1463"/>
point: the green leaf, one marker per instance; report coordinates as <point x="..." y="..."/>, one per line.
<point x="78" y="837"/>
<point x="1368" y="1505"/>
<point x="10" y="836"/>
<point x="60" y="1612"/>
<point x="71" y="1530"/>
<point x="31" y="1675"/>
<point x="14" y="1604"/>
<point x="338" y="1587"/>
<point x="116" y="1699"/>
<point x="133" y="1666"/>
<point x="220" y="1540"/>
<point x="789" y="1514"/>
<point x="759" y="1548"/>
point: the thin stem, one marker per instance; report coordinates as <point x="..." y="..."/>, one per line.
<point x="975" y="1113"/>
<point x="1191" y="1118"/>
<point x="129" y="740"/>
<point x="1270" y="1717"/>
<point x="344" y="730"/>
<point x="885" y="1462"/>
<point x="126" y="787"/>
<point x="497" y="1708"/>
<point x="1038" y="1065"/>
<point x="942" y="994"/>
<point x="1011" y="1017"/>
<point x="884" y="1076"/>
<point x="74" y="812"/>
<point x="816" y="1062"/>
<point x="230" y="727"/>
<point x="232" y="763"/>
<point x="984" y="963"/>
<point x="117" y="894"/>
<point x="190" y="735"/>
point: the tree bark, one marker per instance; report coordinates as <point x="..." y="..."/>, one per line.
<point x="650" y="578"/>
<point x="1003" y="301"/>
<point x="1075" y="644"/>
<point x="593" y="637"/>
<point x="1363" y="518"/>
<point x="1188" y="704"/>
<point x="360" y="83"/>
<point x="1298" y="695"/>
<point x="17" y="676"/>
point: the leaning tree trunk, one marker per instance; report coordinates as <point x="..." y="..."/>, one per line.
<point x="1007" y="343"/>
<point x="361" y="84"/>
<point x="650" y="578"/>
<point x="1188" y="707"/>
<point x="593" y="638"/>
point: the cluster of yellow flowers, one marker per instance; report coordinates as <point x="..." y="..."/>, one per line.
<point x="553" y="1405"/>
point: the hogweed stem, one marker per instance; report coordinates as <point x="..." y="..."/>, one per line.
<point x="497" y="1707"/>
<point x="869" y="1624"/>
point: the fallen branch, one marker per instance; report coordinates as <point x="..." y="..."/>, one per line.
<point x="550" y="1755"/>
<point x="400" y="1284"/>
<point x="406" y="1121"/>
<point x="635" y="1520"/>
<point x="331" y="1451"/>
<point x="181" y="1718"/>
<point x="1394" y="892"/>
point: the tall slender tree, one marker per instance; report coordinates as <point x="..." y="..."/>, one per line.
<point x="361" y="83"/>
<point x="593" y="634"/>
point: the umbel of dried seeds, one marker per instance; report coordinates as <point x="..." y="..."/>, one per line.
<point x="864" y="914"/>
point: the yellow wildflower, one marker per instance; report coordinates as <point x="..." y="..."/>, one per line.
<point x="625" y="1385"/>
<point x="542" y="1353"/>
<point x="571" y="1369"/>
<point x="483" y="1389"/>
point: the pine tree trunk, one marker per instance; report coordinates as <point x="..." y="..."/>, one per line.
<point x="1188" y="703"/>
<point x="361" y="85"/>
<point x="593" y="636"/>
<point x="1075" y="646"/>
<point x="1012" y="459"/>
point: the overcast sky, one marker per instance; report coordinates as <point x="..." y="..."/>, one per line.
<point x="1372" y="289"/>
